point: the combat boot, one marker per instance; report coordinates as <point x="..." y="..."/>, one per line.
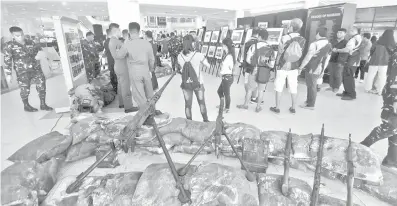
<point x="44" y="106"/>
<point x="390" y="160"/>
<point x="27" y="107"/>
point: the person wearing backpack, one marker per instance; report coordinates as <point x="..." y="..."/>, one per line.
<point x="380" y="55"/>
<point x="261" y="57"/>
<point x="174" y="48"/>
<point x="192" y="80"/>
<point x="287" y="64"/>
<point x="227" y="72"/>
<point x="353" y="61"/>
<point x="314" y="64"/>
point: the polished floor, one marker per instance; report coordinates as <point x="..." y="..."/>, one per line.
<point x="341" y="118"/>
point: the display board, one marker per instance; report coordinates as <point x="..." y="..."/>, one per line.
<point x="224" y="32"/>
<point x="237" y="36"/>
<point x="219" y="52"/>
<point x="207" y="36"/>
<point x="211" y="51"/>
<point x="200" y="34"/>
<point x="215" y="37"/>
<point x="204" y="50"/>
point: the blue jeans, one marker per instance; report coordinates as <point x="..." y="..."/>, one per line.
<point x="224" y="89"/>
<point x="311" y="84"/>
<point x="188" y="94"/>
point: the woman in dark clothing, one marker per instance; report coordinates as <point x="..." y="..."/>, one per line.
<point x="380" y="54"/>
<point x="373" y="40"/>
<point x="226" y="72"/>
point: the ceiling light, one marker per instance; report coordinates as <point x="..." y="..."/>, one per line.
<point x="226" y="11"/>
<point x="195" y="11"/>
<point x="64" y="3"/>
<point x="53" y="5"/>
<point x="68" y="8"/>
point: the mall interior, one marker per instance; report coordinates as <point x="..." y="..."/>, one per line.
<point x="252" y="157"/>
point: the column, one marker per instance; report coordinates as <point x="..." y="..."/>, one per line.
<point x="233" y="23"/>
<point x="199" y="22"/>
<point x="311" y="3"/>
<point x="123" y="12"/>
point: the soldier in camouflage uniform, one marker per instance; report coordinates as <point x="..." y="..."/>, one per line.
<point x="91" y="56"/>
<point x="388" y="128"/>
<point x="20" y="54"/>
<point x="174" y="48"/>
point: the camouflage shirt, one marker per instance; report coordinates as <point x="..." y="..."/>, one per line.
<point x="174" y="46"/>
<point x="23" y="56"/>
<point x="390" y="90"/>
<point x="90" y="50"/>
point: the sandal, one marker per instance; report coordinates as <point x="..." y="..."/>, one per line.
<point x="258" y="109"/>
<point x="242" y="106"/>
<point x="275" y="110"/>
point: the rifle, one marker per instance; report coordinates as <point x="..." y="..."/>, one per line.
<point x="350" y="173"/>
<point x="285" y="184"/>
<point x="317" y="175"/>
<point x="129" y="132"/>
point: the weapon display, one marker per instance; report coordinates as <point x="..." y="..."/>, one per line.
<point x="285" y="184"/>
<point x="129" y="132"/>
<point x="350" y="173"/>
<point x="317" y="174"/>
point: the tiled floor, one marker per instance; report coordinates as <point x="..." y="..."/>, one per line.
<point x="340" y="117"/>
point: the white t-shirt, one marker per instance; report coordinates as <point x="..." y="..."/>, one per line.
<point x="194" y="60"/>
<point x="227" y="65"/>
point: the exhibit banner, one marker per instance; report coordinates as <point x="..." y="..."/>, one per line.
<point x="329" y="17"/>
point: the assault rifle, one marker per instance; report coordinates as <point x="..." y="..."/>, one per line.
<point x="350" y="173"/>
<point x="317" y="174"/>
<point x="129" y="132"/>
<point x="287" y="158"/>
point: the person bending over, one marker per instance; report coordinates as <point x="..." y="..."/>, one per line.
<point x="192" y="80"/>
<point x="22" y="53"/>
<point x="227" y="72"/>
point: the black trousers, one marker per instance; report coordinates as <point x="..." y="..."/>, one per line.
<point x="113" y="76"/>
<point x="361" y="69"/>
<point x="348" y="81"/>
<point x="224" y="89"/>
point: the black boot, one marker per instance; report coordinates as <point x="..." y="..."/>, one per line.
<point x="370" y="140"/>
<point x="44" y="106"/>
<point x="390" y="160"/>
<point x="27" y="107"/>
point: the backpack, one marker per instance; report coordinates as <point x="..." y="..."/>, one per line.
<point x="293" y="51"/>
<point x="354" y="58"/>
<point x="318" y="58"/>
<point x="175" y="47"/>
<point x="261" y="58"/>
<point x="190" y="80"/>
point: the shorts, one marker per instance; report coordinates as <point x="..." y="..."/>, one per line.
<point x="250" y="81"/>
<point x="292" y="78"/>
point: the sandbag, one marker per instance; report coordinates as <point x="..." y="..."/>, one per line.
<point x="112" y="189"/>
<point x="108" y="96"/>
<point x="27" y="183"/>
<point x="81" y="150"/>
<point x="84" y="128"/>
<point x="43" y="148"/>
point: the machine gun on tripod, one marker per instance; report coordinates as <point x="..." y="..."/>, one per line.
<point x="129" y="132"/>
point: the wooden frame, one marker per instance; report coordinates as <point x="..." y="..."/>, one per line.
<point x="215" y="37"/>
<point x="219" y="52"/>
<point x="237" y="36"/>
<point x="204" y="50"/>
<point x="211" y="51"/>
<point x="224" y="31"/>
<point x="275" y="35"/>
<point x="207" y="37"/>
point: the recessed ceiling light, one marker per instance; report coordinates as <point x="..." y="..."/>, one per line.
<point x="226" y="11"/>
<point x="195" y="11"/>
<point x="64" y="3"/>
<point x="53" y="5"/>
<point x="81" y="10"/>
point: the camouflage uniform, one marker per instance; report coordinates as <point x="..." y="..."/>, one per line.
<point x="174" y="48"/>
<point x="27" y="68"/>
<point x="91" y="59"/>
<point x="388" y="128"/>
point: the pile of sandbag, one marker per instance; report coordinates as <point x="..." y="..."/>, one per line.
<point x="94" y="96"/>
<point x="163" y="71"/>
<point x="34" y="171"/>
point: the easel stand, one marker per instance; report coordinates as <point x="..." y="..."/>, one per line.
<point x="218" y="132"/>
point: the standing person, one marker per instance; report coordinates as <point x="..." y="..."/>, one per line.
<point x="365" y="49"/>
<point x="337" y="62"/>
<point x="149" y="37"/>
<point x="289" y="54"/>
<point x="388" y="127"/>
<point x="373" y="40"/>
<point x="227" y="72"/>
<point x="260" y="57"/>
<point x="174" y="48"/>
<point x="314" y="63"/>
<point x="192" y="80"/>
<point x="140" y="62"/>
<point x="380" y="55"/>
<point x="164" y="46"/>
<point x="109" y="57"/>
<point x="20" y="53"/>
<point x="91" y="56"/>
<point x="353" y="60"/>
<point x="125" y="35"/>
<point x="121" y="70"/>
<point x="196" y="41"/>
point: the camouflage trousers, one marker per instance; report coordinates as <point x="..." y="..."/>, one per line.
<point x="25" y="80"/>
<point x="92" y="69"/>
<point x="383" y="131"/>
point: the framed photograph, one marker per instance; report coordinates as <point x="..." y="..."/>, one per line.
<point x="263" y="25"/>
<point x="237" y="36"/>
<point x="207" y="37"/>
<point x="248" y="35"/>
<point x="224" y="31"/>
<point x="211" y="51"/>
<point x="200" y="34"/>
<point x="215" y="37"/>
<point x="219" y="52"/>
<point x="204" y="50"/>
<point x="237" y="52"/>
<point x="275" y="35"/>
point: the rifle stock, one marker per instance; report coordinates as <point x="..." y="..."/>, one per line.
<point x="350" y="173"/>
<point x="317" y="175"/>
<point x="285" y="184"/>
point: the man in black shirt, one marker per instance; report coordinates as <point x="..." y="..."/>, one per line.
<point x="109" y="57"/>
<point x="337" y="62"/>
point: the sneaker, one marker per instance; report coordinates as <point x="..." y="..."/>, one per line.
<point x="329" y="89"/>
<point x="335" y="91"/>
<point x="361" y="81"/>
<point x="121" y="106"/>
<point x="258" y="109"/>
<point x="226" y="111"/>
<point x="341" y="94"/>
<point x="348" y="98"/>
<point x="255" y="101"/>
<point x="242" y="106"/>
<point x="292" y="110"/>
<point x="275" y="110"/>
<point x="306" y="107"/>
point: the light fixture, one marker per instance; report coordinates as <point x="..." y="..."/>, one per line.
<point x="67" y="8"/>
<point x="226" y="11"/>
<point x="64" y="3"/>
<point x="53" y="5"/>
<point x="195" y="11"/>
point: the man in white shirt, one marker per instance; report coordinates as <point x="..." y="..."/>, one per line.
<point x="353" y="62"/>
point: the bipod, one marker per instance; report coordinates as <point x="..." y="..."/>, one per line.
<point x="219" y="130"/>
<point x="184" y="195"/>
<point x="287" y="157"/>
